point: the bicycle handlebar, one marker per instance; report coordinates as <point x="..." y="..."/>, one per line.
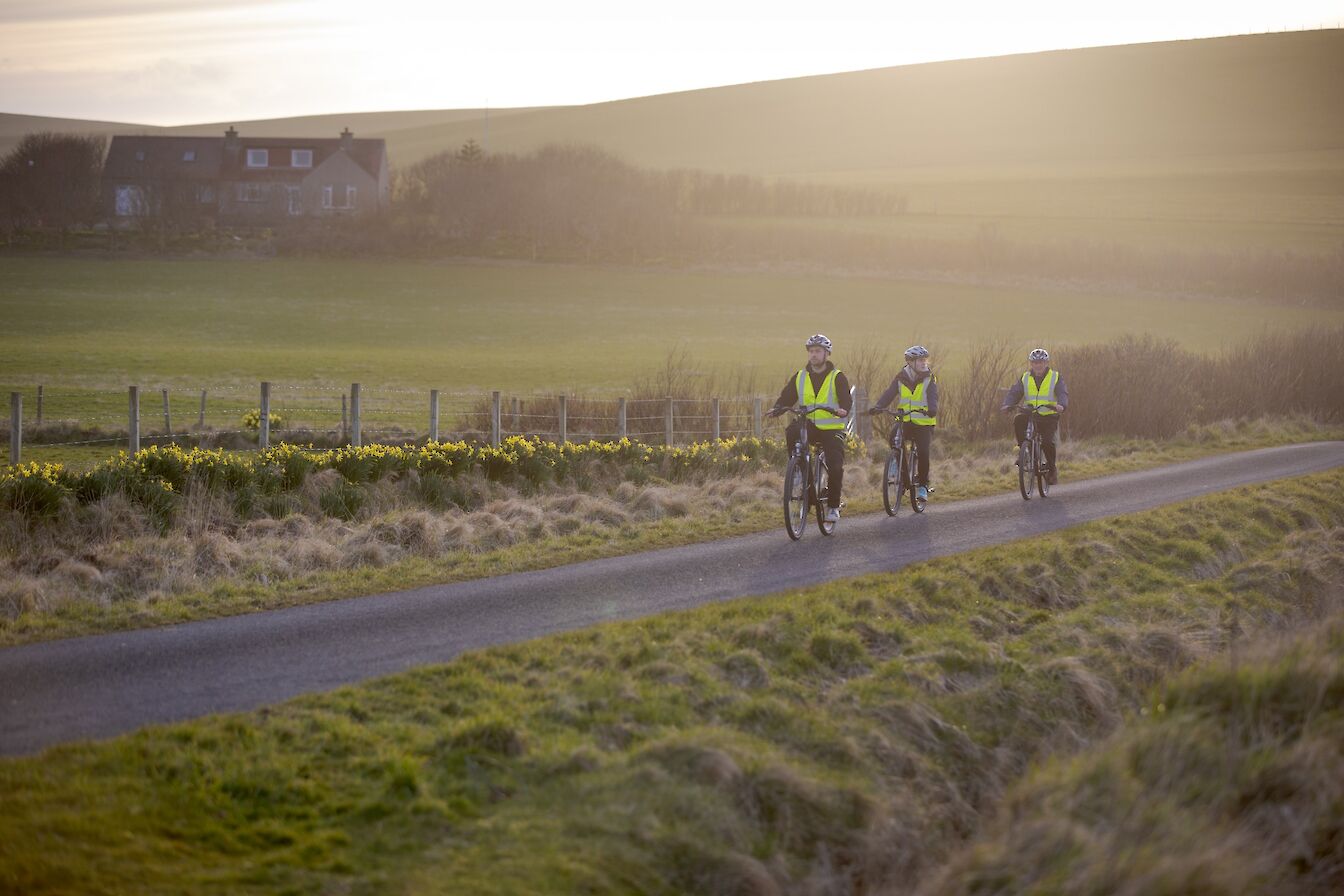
<point x="802" y="409"/>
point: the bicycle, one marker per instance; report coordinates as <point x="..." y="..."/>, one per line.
<point x="1031" y="468"/>
<point x="806" y="481"/>
<point x="899" y="473"/>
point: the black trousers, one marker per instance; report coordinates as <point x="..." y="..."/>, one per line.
<point x="922" y="436"/>
<point x="1048" y="426"/>
<point x="832" y="442"/>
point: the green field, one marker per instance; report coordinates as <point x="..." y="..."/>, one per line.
<point x="874" y="732"/>
<point x="86" y="329"/>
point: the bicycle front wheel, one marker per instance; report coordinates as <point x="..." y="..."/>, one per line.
<point x="891" y="483"/>
<point x="795" y="497"/>
<point x="1025" y="473"/>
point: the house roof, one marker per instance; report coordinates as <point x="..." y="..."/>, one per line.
<point x="140" y="157"/>
<point x="368" y="153"/>
<point x="143" y="156"/>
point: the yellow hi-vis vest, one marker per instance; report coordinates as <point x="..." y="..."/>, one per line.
<point x="1034" y="397"/>
<point x="822" y="419"/>
<point x="917" y="402"/>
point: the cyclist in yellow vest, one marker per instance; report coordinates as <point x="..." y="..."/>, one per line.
<point x="820" y="382"/>
<point x="1039" y="387"/>
<point x="917" y="390"/>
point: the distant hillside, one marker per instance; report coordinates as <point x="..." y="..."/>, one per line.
<point x="1146" y="107"/>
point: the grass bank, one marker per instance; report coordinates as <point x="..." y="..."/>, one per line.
<point x="117" y="563"/>
<point x="853" y="737"/>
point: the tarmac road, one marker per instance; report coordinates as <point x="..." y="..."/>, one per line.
<point x="104" y="685"/>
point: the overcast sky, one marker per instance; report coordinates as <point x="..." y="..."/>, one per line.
<point x="184" y="61"/>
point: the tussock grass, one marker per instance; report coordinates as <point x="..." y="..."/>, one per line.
<point x="855" y="737"/>
<point x="111" y="565"/>
<point x="1230" y="781"/>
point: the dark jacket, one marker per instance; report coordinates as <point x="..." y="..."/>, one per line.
<point x="1015" y="394"/>
<point x="789" y="396"/>
<point x="911" y="380"/>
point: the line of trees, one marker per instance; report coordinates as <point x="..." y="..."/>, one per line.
<point x="580" y="203"/>
<point x="51" y="182"/>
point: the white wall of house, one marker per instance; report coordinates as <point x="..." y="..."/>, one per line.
<point x="339" y="186"/>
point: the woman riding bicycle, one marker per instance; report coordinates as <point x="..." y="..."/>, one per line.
<point x="1043" y="389"/>
<point x="820" y="382"/>
<point x="917" y="389"/>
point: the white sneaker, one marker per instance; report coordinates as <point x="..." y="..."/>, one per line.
<point x="833" y="514"/>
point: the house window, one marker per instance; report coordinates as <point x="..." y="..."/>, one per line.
<point x="250" y="193"/>
<point x="130" y="200"/>
<point x="139" y="155"/>
<point x="257" y="158"/>
<point x="205" y="194"/>
<point x="349" y="197"/>
<point x="295" y="201"/>
<point x="326" y="196"/>
<point x="189" y="155"/>
<point x="300" y="158"/>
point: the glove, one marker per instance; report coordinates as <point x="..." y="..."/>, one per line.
<point x="873" y="412"/>
<point x="774" y="412"/>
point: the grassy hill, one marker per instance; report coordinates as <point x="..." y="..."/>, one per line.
<point x="1147" y="108"/>
<point x="1225" y="144"/>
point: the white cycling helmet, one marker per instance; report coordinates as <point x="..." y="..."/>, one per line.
<point x="915" y="352"/>
<point x="820" y="340"/>
<point x="1038" y="354"/>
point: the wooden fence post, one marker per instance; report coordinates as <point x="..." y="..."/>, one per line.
<point x="757" y="422"/>
<point x="622" y="430"/>
<point x="354" y="415"/>
<point x="15" y="426"/>
<point x="715" y="406"/>
<point x="517" y="414"/>
<point x="865" y="427"/>
<point x="667" y="427"/>
<point x="564" y="419"/>
<point x="433" y="415"/>
<point x="167" y="418"/>
<point x="494" y="419"/>
<point x="264" y="424"/>
<point x="133" y="424"/>
<point x="39" y="405"/>
<point x="200" y="423"/>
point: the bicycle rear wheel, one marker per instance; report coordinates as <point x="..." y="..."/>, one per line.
<point x="795" y="497"/>
<point x="891" y="482"/>
<point x="915" y="503"/>
<point x="823" y="480"/>
<point x="1042" y="485"/>
<point x="1025" y="474"/>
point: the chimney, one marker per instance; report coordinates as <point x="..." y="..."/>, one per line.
<point x="232" y="144"/>
<point x="347" y="140"/>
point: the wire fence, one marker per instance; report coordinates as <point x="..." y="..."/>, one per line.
<point x="237" y="417"/>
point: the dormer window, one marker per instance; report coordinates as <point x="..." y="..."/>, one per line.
<point x="189" y="155"/>
<point x="257" y="158"/>
<point x="139" y="155"/>
<point x="300" y="158"/>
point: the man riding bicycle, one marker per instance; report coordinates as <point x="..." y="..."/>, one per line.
<point x="820" y="382"/>
<point x="917" y="389"/>
<point x="1042" y="388"/>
